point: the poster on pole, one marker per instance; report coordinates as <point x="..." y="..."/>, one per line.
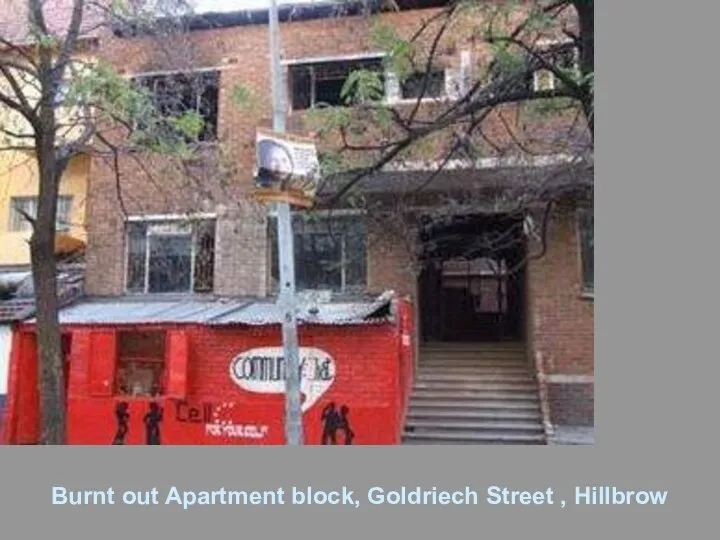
<point x="287" y="168"/>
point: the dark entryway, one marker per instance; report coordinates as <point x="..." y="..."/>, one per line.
<point x="472" y="286"/>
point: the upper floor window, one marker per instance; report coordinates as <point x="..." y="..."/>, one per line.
<point x="587" y="249"/>
<point x="21" y="206"/>
<point x="175" y="94"/>
<point x="329" y="253"/>
<point x="170" y="256"/>
<point x="316" y="84"/>
<point x="563" y="57"/>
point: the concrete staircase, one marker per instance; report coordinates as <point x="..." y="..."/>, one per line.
<point x="474" y="393"/>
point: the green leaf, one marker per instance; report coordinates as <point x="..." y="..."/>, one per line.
<point x="243" y="97"/>
<point x="363" y="86"/>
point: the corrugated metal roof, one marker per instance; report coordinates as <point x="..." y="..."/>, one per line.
<point x="225" y="311"/>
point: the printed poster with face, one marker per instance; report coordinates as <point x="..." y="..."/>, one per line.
<point x="287" y="168"/>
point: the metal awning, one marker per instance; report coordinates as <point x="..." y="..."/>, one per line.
<point x="221" y="311"/>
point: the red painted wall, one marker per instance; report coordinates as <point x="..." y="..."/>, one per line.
<point x="373" y="368"/>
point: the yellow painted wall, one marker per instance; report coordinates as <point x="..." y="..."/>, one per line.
<point x="18" y="177"/>
<point x="18" y="170"/>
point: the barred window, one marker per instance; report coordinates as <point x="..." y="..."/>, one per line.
<point x="171" y="256"/>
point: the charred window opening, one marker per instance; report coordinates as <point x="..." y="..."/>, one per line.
<point x="321" y="83"/>
<point x="178" y="93"/>
<point x="424" y="85"/>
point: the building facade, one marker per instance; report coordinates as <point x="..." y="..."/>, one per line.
<point x="503" y="346"/>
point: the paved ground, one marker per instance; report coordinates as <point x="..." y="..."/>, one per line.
<point x="575" y="435"/>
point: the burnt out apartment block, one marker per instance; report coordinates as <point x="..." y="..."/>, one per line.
<point x="190" y="228"/>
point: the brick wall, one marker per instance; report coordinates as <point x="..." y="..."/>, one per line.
<point x="561" y="324"/>
<point x="220" y="184"/>
<point x="370" y="379"/>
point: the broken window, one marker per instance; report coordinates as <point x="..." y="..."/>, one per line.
<point x="321" y="83"/>
<point x="587" y="249"/>
<point x="424" y="85"/>
<point x="141" y="363"/>
<point x="175" y="94"/>
<point x="329" y="253"/>
<point x="165" y="257"/>
<point x="19" y="206"/>
<point x="563" y="57"/>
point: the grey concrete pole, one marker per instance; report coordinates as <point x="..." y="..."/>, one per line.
<point x="286" y="299"/>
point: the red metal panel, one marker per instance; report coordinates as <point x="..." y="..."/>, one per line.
<point x="177" y="357"/>
<point x="102" y="362"/>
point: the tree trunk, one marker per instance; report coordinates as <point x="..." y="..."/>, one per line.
<point x="586" y="18"/>
<point x="42" y="252"/>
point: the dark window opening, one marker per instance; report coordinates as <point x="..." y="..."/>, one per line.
<point x="587" y="249"/>
<point x="176" y="94"/>
<point x="141" y="363"/>
<point x="167" y="257"/>
<point x="330" y="254"/>
<point x="424" y="85"/>
<point x="321" y="84"/>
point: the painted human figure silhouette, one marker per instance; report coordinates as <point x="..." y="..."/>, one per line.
<point x="333" y="421"/>
<point x="152" y="424"/>
<point x="122" y="416"/>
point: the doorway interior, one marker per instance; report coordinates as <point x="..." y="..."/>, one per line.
<point x="472" y="286"/>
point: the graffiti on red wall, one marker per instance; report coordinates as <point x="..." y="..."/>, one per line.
<point x="262" y="370"/>
<point x="218" y="421"/>
<point x="152" y="421"/>
<point x="121" y="416"/>
<point x="335" y="420"/>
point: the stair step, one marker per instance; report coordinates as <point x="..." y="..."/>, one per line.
<point x="502" y="415"/>
<point x="474" y="387"/>
<point x="460" y="345"/>
<point x="469" y="355"/>
<point x="472" y="395"/>
<point x="468" y="367"/>
<point x="469" y="381"/>
<point x="473" y="360"/>
<point x="417" y="426"/>
<point x="455" y="437"/>
<point x="491" y="377"/>
<point x="483" y="404"/>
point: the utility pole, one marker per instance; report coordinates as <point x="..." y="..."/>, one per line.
<point x="286" y="297"/>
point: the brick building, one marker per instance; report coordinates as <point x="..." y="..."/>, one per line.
<point x="500" y="355"/>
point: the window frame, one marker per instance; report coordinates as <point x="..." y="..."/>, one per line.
<point x="148" y="221"/>
<point x="63" y="223"/>
<point x="345" y="261"/>
<point x="123" y="362"/>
